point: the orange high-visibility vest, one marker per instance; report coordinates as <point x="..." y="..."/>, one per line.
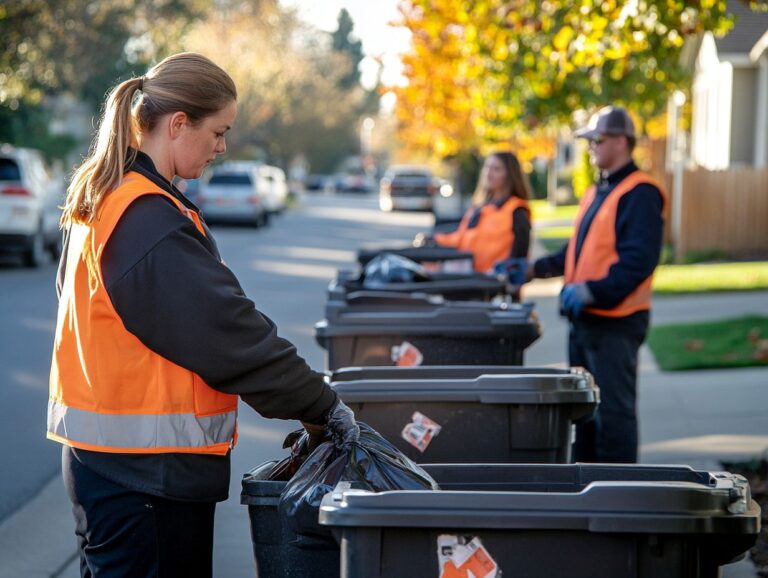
<point x="492" y="239"/>
<point x="598" y="251"/>
<point x="108" y="391"/>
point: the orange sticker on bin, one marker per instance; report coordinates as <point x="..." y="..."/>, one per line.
<point x="421" y="431"/>
<point x="465" y="557"/>
<point x="406" y="355"/>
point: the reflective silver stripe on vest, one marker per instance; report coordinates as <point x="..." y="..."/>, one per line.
<point x="137" y="431"/>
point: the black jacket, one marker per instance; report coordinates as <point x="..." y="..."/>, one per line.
<point x="170" y="289"/>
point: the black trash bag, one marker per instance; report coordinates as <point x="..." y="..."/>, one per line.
<point x="391" y="268"/>
<point x="286" y="468"/>
<point x="371" y="463"/>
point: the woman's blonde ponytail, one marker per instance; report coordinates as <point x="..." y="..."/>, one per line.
<point x="103" y="168"/>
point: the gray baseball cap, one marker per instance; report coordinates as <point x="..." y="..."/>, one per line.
<point x="610" y="120"/>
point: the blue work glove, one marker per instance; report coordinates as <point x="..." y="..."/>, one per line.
<point x="573" y="299"/>
<point x="514" y="270"/>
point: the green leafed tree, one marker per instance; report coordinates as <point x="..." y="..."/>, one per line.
<point x="344" y="42"/>
<point x="299" y="92"/>
<point x="79" y="47"/>
<point x="292" y="97"/>
<point x="82" y="46"/>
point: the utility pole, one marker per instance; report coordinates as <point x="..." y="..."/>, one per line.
<point x="676" y="157"/>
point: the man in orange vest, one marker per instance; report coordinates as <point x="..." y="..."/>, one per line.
<point x="608" y="266"/>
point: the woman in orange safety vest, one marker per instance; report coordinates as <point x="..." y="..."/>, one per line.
<point x="498" y="226"/>
<point x="156" y="340"/>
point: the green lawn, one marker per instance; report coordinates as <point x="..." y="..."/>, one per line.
<point x="680" y="279"/>
<point x="552" y="238"/>
<point x="561" y="233"/>
<point x="542" y="211"/>
<point x="552" y="245"/>
<point x="702" y="278"/>
<point x="740" y="342"/>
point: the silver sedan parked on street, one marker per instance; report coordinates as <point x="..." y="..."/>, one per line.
<point x="229" y="194"/>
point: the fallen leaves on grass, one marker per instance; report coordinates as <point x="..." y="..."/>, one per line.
<point x="694" y="344"/>
<point x="761" y="350"/>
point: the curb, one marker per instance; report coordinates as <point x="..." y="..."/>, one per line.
<point x="38" y="540"/>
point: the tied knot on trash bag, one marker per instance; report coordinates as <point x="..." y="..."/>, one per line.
<point x="368" y="463"/>
<point x="390" y="268"/>
<point x="341" y="425"/>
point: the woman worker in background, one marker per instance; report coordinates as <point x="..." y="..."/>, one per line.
<point x="498" y="226"/>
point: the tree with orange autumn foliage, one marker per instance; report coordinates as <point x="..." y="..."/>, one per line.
<point x="485" y="72"/>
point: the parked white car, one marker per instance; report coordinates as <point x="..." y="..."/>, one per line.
<point x="270" y="183"/>
<point x="273" y="187"/>
<point x="229" y="193"/>
<point x="30" y="201"/>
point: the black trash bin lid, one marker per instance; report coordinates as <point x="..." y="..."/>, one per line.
<point x="628" y="500"/>
<point x="524" y="387"/>
<point x="257" y="490"/>
<point x="439" y="283"/>
<point x="418" y="254"/>
<point x="449" y="372"/>
<point x="424" y="316"/>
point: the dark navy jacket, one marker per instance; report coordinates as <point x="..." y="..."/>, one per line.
<point x="639" y="236"/>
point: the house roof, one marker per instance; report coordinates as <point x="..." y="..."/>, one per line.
<point x="750" y="27"/>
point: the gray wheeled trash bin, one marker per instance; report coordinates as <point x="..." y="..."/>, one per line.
<point x="365" y="330"/>
<point x="485" y="414"/>
<point x="579" y="521"/>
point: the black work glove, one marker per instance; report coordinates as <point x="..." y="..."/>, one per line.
<point x="342" y="425"/>
<point x="316" y="435"/>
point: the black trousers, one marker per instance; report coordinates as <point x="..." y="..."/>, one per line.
<point x="610" y="355"/>
<point x="124" y="533"/>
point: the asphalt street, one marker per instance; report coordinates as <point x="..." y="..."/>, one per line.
<point x="28" y="314"/>
<point x="284" y="269"/>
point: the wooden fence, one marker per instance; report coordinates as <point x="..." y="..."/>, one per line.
<point x="724" y="211"/>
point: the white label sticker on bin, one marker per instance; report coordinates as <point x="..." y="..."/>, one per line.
<point x="465" y="557"/>
<point x="458" y="266"/>
<point x="406" y="355"/>
<point x="420" y="432"/>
